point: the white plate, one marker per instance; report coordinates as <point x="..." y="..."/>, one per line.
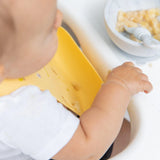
<point x="110" y="15"/>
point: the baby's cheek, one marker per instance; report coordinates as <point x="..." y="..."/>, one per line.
<point x="52" y="49"/>
<point x="54" y="45"/>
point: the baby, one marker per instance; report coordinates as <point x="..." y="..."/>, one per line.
<point x="33" y="125"/>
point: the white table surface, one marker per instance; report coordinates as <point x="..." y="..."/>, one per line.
<point x="85" y="17"/>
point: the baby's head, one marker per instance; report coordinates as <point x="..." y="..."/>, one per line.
<point x="28" y="38"/>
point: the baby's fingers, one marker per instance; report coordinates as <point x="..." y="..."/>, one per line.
<point x="144" y="77"/>
<point x="146" y="86"/>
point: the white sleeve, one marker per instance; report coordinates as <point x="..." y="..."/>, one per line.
<point x="33" y="122"/>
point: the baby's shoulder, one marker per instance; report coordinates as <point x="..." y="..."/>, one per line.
<point x="25" y="96"/>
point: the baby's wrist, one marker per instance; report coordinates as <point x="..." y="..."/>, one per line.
<point x="121" y="84"/>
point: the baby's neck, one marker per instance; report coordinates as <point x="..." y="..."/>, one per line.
<point x="1" y="73"/>
<point x="1" y="80"/>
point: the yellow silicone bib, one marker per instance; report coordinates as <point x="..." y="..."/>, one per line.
<point x="69" y="76"/>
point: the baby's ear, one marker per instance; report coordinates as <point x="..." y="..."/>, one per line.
<point x="58" y="19"/>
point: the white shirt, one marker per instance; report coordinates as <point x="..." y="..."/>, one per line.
<point x="33" y="125"/>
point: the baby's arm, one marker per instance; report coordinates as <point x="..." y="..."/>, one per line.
<point x="100" y="125"/>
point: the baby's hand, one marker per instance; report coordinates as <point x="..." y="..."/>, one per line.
<point x="131" y="78"/>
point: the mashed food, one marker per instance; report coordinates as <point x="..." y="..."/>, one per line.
<point x="150" y="19"/>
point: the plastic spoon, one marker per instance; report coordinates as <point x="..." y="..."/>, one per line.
<point x="143" y="35"/>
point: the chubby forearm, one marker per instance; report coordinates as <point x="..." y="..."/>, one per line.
<point x="102" y="122"/>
